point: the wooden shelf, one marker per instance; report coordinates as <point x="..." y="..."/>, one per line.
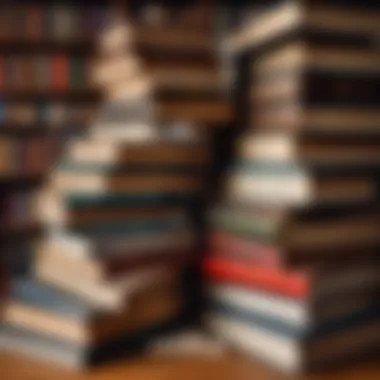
<point x="87" y="95"/>
<point x="14" y="231"/>
<point x="37" y="129"/>
<point x="26" y="46"/>
<point x="20" y="179"/>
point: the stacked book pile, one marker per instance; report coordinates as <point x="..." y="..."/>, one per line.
<point x="180" y="67"/>
<point x="292" y="268"/>
<point x="108" y="275"/>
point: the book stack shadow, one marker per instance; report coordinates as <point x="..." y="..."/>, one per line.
<point x="107" y="278"/>
<point x="292" y="269"/>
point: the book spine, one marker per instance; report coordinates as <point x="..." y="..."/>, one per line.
<point x="2" y="74"/>
<point x="294" y="285"/>
<point x="245" y="250"/>
<point x="60" y="72"/>
<point x="77" y="73"/>
<point x="34" y="22"/>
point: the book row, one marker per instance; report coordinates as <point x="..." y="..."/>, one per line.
<point x="35" y="21"/>
<point x="27" y="157"/>
<point x="44" y="113"/>
<point x="56" y="72"/>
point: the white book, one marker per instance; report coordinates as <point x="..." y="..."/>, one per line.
<point x="300" y="315"/>
<point x="276" y="350"/>
<point x="110" y="295"/>
<point x="293" y="189"/>
<point x="287" y="310"/>
<point x="290" y="355"/>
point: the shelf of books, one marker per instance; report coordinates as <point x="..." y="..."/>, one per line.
<point x="46" y="96"/>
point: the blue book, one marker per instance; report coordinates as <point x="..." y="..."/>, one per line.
<point x="267" y="168"/>
<point x="30" y="292"/>
<point x="134" y="228"/>
<point x="81" y="201"/>
<point x="120" y="168"/>
<point x="297" y="333"/>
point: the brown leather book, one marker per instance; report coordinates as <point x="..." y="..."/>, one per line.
<point x="283" y="148"/>
<point x="77" y="181"/>
<point x="293" y="238"/>
<point x="7" y="153"/>
<point x="152" y="154"/>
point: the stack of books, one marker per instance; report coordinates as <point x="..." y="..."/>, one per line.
<point x="292" y="270"/>
<point x="108" y="276"/>
<point x="179" y="65"/>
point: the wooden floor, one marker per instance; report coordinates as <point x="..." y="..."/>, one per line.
<point x="223" y="368"/>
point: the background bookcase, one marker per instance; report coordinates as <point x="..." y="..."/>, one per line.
<point x="46" y="49"/>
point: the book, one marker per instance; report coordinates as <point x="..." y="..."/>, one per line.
<point x="138" y="154"/>
<point x="77" y="73"/>
<point x="297" y="283"/>
<point x="110" y="71"/>
<point x="56" y="351"/>
<point x="212" y="112"/>
<point x="94" y="326"/>
<point x="293" y="236"/>
<point x="290" y="356"/>
<point x="60" y="73"/>
<point x="316" y="21"/>
<point x="322" y="86"/>
<point x="108" y="266"/>
<point x="99" y="248"/>
<point x="112" y="198"/>
<point x="6" y="165"/>
<point x="222" y="243"/>
<point x="51" y="210"/>
<point x="112" y="294"/>
<point x="297" y="58"/>
<point x="304" y="319"/>
<point x="33" y="22"/>
<point x="164" y="40"/>
<point x="93" y="183"/>
<point x="319" y="120"/>
<point x="293" y="185"/>
<point x="281" y="148"/>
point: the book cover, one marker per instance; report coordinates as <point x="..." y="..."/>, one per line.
<point x="292" y="283"/>
<point x="243" y="249"/>
<point x="34" y="22"/>
<point x="60" y="72"/>
<point x="29" y="291"/>
<point x="112" y="198"/>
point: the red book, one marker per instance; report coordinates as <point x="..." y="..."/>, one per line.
<point x="60" y="72"/>
<point x="242" y="249"/>
<point x="289" y="283"/>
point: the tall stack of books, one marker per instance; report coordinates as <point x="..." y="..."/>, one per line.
<point x="292" y="270"/>
<point x="108" y="276"/>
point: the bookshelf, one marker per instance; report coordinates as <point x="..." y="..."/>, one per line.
<point x="46" y="49"/>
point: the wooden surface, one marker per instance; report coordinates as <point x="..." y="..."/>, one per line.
<point x="221" y="368"/>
